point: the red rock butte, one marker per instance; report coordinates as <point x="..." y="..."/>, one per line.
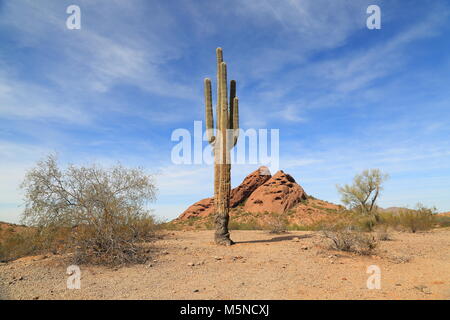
<point x="260" y="192"/>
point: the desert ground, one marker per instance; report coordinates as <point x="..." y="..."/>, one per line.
<point x="294" y="265"/>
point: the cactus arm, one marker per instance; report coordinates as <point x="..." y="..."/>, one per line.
<point x="209" y="112"/>
<point x="235" y="120"/>
<point x="234" y="114"/>
<point x="232" y="95"/>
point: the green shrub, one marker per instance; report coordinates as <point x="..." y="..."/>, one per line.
<point x="420" y="219"/>
<point x="364" y="223"/>
<point x="442" y="221"/>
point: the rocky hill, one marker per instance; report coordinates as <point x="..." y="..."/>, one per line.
<point x="8" y="229"/>
<point x="259" y="198"/>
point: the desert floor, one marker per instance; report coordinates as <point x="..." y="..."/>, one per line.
<point x="296" y="265"/>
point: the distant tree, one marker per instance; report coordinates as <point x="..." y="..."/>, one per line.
<point x="105" y="208"/>
<point x="364" y="192"/>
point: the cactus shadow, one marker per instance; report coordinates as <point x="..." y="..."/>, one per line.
<point x="276" y="239"/>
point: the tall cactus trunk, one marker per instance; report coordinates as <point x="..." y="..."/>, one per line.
<point x="227" y="131"/>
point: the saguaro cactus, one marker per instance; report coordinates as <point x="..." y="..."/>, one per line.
<point x="222" y="139"/>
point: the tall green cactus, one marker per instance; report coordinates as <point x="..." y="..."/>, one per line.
<point x="225" y="138"/>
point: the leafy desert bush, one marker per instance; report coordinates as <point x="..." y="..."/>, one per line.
<point x="102" y="210"/>
<point x="442" y="221"/>
<point x="361" y="196"/>
<point x="352" y="241"/>
<point x="363" y="223"/>
<point x="390" y="219"/>
<point x="419" y="219"/>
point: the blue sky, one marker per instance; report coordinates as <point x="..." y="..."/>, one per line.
<point x="345" y="98"/>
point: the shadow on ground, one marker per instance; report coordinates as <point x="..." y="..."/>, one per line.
<point x="276" y="239"/>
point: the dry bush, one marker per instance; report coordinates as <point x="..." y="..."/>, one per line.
<point x="97" y="213"/>
<point x="119" y="243"/>
<point x="276" y="223"/>
<point x="382" y="232"/>
<point x="352" y="241"/>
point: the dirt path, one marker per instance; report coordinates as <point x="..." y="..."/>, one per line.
<point x="259" y="266"/>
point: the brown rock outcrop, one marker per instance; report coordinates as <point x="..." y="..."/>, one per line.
<point x="252" y="182"/>
<point x="279" y="194"/>
<point x="238" y="195"/>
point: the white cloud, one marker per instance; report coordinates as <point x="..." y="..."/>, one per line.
<point x="107" y="50"/>
<point x="19" y="99"/>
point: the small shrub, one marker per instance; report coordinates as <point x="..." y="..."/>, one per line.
<point x="420" y="219"/>
<point x="276" y="223"/>
<point x="389" y="219"/>
<point x="352" y="241"/>
<point x="121" y="243"/>
<point x="442" y="221"/>
<point x="364" y="223"/>
<point x="98" y="213"/>
<point x="383" y="234"/>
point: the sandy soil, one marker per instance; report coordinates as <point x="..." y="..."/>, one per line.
<point x="297" y="265"/>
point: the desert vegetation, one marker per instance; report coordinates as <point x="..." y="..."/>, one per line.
<point x="352" y="241"/>
<point x="356" y="228"/>
<point x="359" y="228"/>
<point x="361" y="196"/>
<point x="97" y="217"/>
<point x="97" y="214"/>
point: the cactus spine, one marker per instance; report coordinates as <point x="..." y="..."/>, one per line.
<point x="222" y="139"/>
